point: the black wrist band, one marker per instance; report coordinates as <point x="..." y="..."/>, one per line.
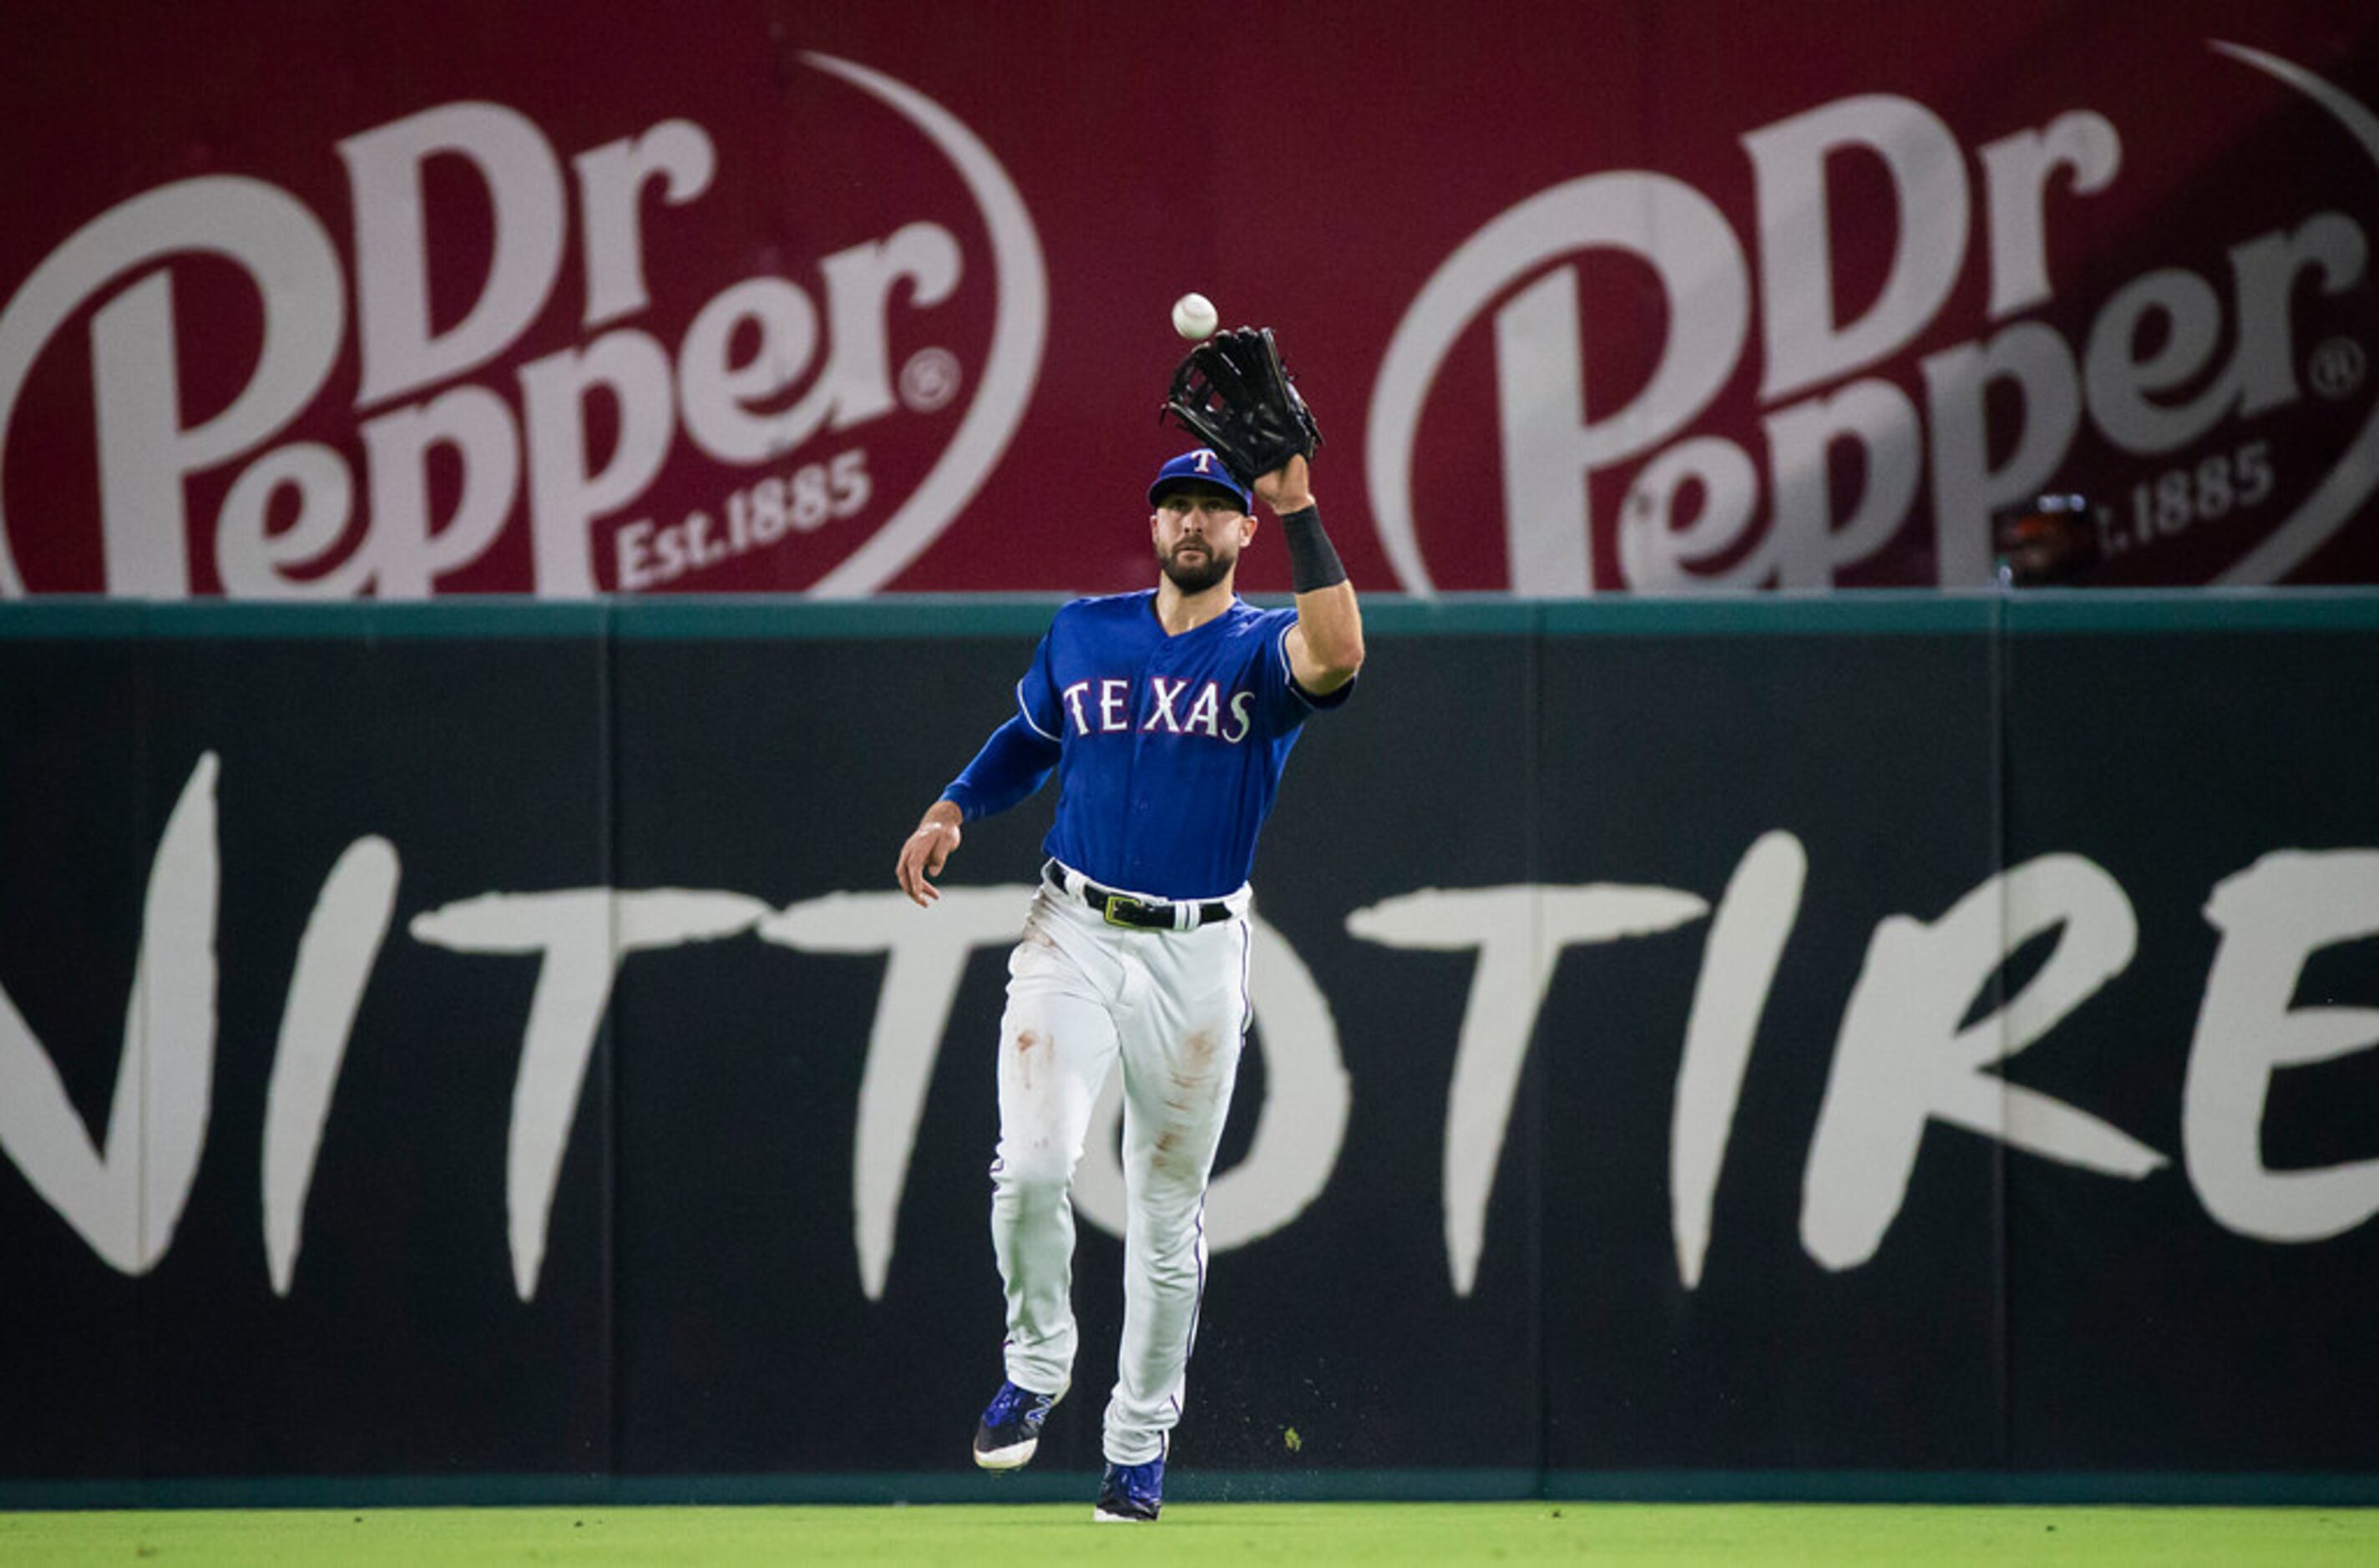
<point x="1312" y="562"/>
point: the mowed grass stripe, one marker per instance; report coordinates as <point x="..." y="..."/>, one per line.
<point x="1205" y="1535"/>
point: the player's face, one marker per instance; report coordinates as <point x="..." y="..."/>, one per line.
<point x="1199" y="535"/>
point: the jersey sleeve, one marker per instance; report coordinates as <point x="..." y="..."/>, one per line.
<point x="1021" y="753"/>
<point x="1036" y="696"/>
<point x="1016" y="761"/>
<point x="1286" y="704"/>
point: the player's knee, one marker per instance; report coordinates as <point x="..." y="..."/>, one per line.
<point x="1177" y="1273"/>
<point x="1168" y="1242"/>
<point x="1034" y="1175"/>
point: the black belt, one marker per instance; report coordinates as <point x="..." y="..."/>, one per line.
<point x="1122" y="908"/>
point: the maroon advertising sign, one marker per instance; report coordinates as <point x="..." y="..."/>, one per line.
<point x="439" y="298"/>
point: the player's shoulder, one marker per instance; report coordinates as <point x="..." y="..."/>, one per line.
<point x="1108" y="607"/>
<point x="1257" y="620"/>
<point x="1103" y="613"/>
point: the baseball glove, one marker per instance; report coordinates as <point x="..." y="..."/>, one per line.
<point x="1232" y="393"/>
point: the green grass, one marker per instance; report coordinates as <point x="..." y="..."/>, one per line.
<point x="1208" y="1534"/>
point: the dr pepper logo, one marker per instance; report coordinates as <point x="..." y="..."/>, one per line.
<point x="1841" y="368"/>
<point x="522" y="364"/>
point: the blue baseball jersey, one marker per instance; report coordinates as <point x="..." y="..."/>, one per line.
<point x="1168" y="750"/>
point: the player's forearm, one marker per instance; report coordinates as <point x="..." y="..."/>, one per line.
<point x="1329" y="623"/>
<point x="1012" y="763"/>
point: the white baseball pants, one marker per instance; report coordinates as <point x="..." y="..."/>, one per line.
<point x="1171" y="1008"/>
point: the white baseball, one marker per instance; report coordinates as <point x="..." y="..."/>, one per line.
<point x="1194" y="318"/>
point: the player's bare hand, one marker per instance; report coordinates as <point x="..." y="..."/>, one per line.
<point x="1288" y="488"/>
<point x="926" y="852"/>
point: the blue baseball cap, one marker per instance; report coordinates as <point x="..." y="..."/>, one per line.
<point x="1199" y="467"/>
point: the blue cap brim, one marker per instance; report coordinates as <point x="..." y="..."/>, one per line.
<point x="1199" y="467"/>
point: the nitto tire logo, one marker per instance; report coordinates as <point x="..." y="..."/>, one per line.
<point x="466" y="422"/>
<point x="1867" y="443"/>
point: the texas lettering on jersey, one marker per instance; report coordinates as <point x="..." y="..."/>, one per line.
<point x="1108" y="707"/>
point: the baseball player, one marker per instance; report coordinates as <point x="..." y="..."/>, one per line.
<point x="1167" y="716"/>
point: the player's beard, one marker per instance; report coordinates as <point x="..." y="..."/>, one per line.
<point x="1197" y="577"/>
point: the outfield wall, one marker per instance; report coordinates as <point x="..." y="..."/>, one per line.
<point x="1878" y="1046"/>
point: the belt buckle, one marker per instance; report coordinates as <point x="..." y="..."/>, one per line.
<point x="1115" y="902"/>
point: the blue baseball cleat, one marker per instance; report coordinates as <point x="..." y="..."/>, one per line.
<point x="1131" y="1493"/>
<point x="1010" y="1428"/>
